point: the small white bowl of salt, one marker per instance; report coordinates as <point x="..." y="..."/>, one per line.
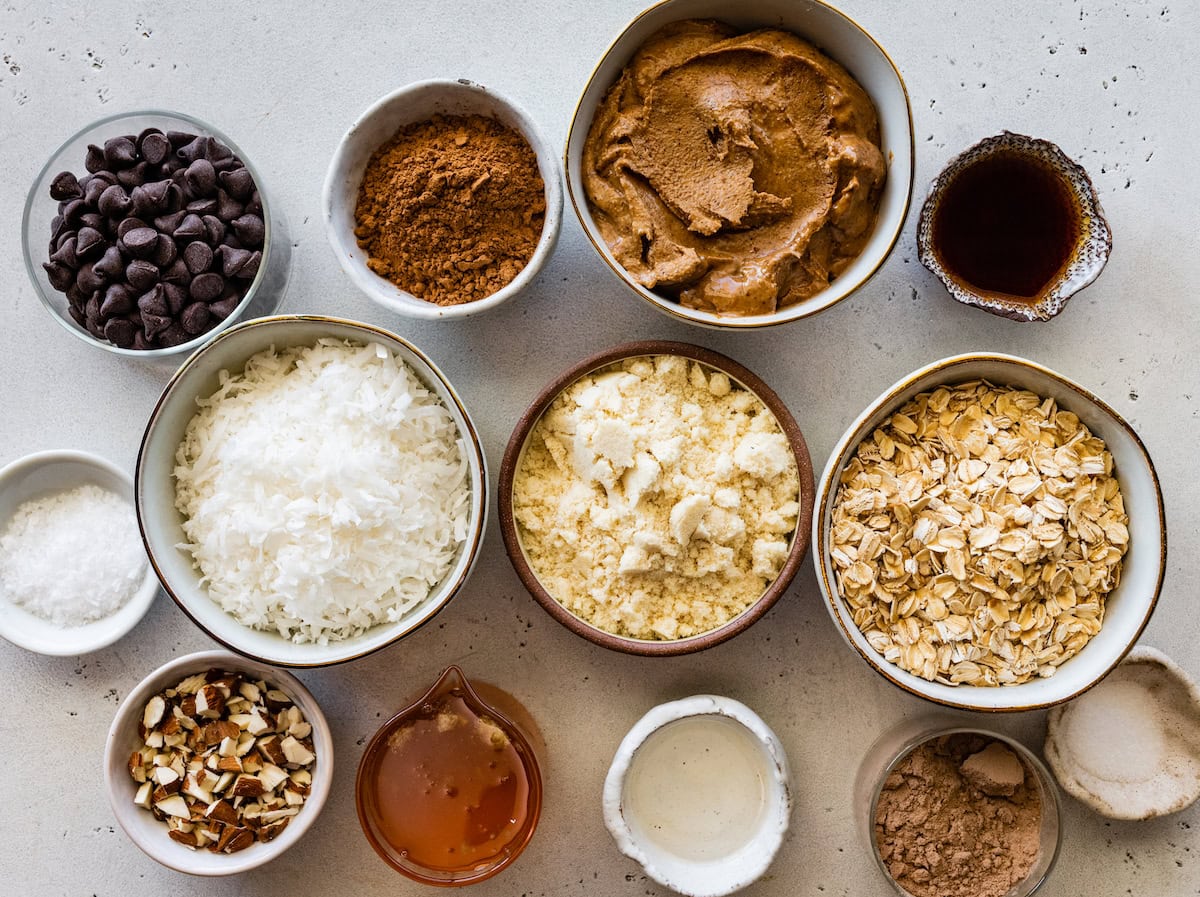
<point x="74" y="576"/>
<point x="1130" y="747"/>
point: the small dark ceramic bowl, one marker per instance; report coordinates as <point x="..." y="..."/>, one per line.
<point x="1093" y="243"/>
<point x="666" y="647"/>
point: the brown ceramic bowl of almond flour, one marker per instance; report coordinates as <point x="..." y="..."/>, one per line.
<point x="930" y="778"/>
<point x="514" y="534"/>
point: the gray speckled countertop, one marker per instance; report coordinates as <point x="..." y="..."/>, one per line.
<point x="1114" y="83"/>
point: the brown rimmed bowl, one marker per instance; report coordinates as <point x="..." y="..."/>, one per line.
<point x="1127" y="607"/>
<point x="162" y="525"/>
<point x="1093" y="242"/>
<point x="837" y="35"/>
<point x="515" y="452"/>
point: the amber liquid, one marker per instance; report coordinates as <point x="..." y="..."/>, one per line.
<point x="1006" y="224"/>
<point x="451" y="792"/>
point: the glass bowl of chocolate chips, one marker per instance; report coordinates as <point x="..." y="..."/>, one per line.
<point x="147" y="233"/>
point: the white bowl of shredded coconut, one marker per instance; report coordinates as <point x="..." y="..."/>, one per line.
<point x="73" y="572"/>
<point x="310" y="489"/>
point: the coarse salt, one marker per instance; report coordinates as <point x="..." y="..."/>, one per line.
<point x="73" y="557"/>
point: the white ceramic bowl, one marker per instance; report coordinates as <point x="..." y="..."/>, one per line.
<point x="1127" y="608"/>
<point x="45" y="473"/>
<point x="148" y="833"/>
<point x="378" y="124"/>
<point x="162" y="524"/>
<point x="837" y="35"/>
<point x="716" y="875"/>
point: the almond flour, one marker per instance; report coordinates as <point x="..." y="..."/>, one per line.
<point x="656" y="499"/>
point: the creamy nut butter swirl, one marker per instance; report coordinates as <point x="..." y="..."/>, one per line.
<point x="735" y="173"/>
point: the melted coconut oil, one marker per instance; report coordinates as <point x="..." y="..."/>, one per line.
<point x="696" y="788"/>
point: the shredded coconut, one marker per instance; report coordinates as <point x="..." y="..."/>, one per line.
<point x="73" y="557"/>
<point x="325" y="490"/>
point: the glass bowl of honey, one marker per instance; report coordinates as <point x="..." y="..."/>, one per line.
<point x="449" y="789"/>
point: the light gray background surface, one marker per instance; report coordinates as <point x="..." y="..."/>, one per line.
<point x="1114" y="83"/>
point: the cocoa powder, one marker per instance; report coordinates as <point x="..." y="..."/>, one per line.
<point x="943" y="832"/>
<point x="451" y="209"/>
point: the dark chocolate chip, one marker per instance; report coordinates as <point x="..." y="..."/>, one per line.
<point x="169" y="222"/>
<point x="154" y="198"/>
<point x="77" y="316"/>
<point x="191" y="228"/>
<point x="197" y="149"/>
<point x="72" y="212"/>
<point x="177" y="297"/>
<point x="198" y="257"/>
<point x="218" y="151"/>
<point x="238" y="183"/>
<point x="180" y="138"/>
<point x="94" y="160"/>
<point x="89" y="243"/>
<point x="223" y="307"/>
<point x="140" y="342"/>
<point x="61" y="277"/>
<point x="177" y="273"/>
<point x="65" y="254"/>
<point x="155" y="148"/>
<point x="228" y="208"/>
<point x="114" y="202"/>
<point x="93" y="190"/>
<point x="65" y="186"/>
<point x="95" y="328"/>
<point x="59" y="243"/>
<point x="75" y="296"/>
<point x="119" y="152"/>
<point x="119" y="332"/>
<point x="118" y="300"/>
<point x="250" y="269"/>
<point x="57" y="223"/>
<point x="201" y="178"/>
<point x="165" y="252"/>
<point x="254" y="206"/>
<point x="204" y="206"/>
<point x="154" y="324"/>
<point x="91" y="308"/>
<point x="174" y="196"/>
<point x="131" y="177"/>
<point x="208" y="287"/>
<point x="129" y="224"/>
<point x="141" y="274"/>
<point x="94" y="220"/>
<point x="140" y="242"/>
<point x="88" y="280"/>
<point x="228" y="164"/>
<point x="153" y="302"/>
<point x="215" y="227"/>
<point x="232" y="260"/>
<point x="195" y="318"/>
<point x="173" y="335"/>
<point x="110" y="265"/>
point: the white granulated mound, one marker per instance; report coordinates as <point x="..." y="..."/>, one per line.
<point x="72" y="558"/>
<point x="325" y="490"/>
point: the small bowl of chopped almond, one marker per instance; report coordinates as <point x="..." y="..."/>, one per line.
<point x="216" y="764"/>
<point x="990" y="535"/>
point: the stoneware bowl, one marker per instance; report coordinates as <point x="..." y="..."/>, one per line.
<point x="378" y="124"/>
<point x="265" y="291"/>
<point x="1127" y="608"/>
<point x="837" y="35"/>
<point x="1167" y="777"/>
<point x="716" y="875"/>
<point x="39" y="475"/>
<point x="148" y="833"/>
<point x="516" y="450"/>
<point x="1092" y="246"/>
<point x="161" y="523"/>
<point x="894" y="745"/>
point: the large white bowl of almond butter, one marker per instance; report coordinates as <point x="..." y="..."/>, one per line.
<point x="990" y="535"/>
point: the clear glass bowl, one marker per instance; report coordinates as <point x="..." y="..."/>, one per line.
<point x="893" y="746"/>
<point x="266" y="290"/>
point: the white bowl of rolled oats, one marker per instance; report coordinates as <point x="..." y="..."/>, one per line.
<point x="990" y="535"/>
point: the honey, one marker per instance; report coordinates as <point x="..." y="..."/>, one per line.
<point x="448" y="789"/>
<point x="1007" y="224"/>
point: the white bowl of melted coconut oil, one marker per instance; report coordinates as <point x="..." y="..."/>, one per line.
<point x="699" y="794"/>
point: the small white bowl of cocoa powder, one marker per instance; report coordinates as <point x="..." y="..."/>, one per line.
<point x="443" y="200"/>
<point x="953" y="811"/>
